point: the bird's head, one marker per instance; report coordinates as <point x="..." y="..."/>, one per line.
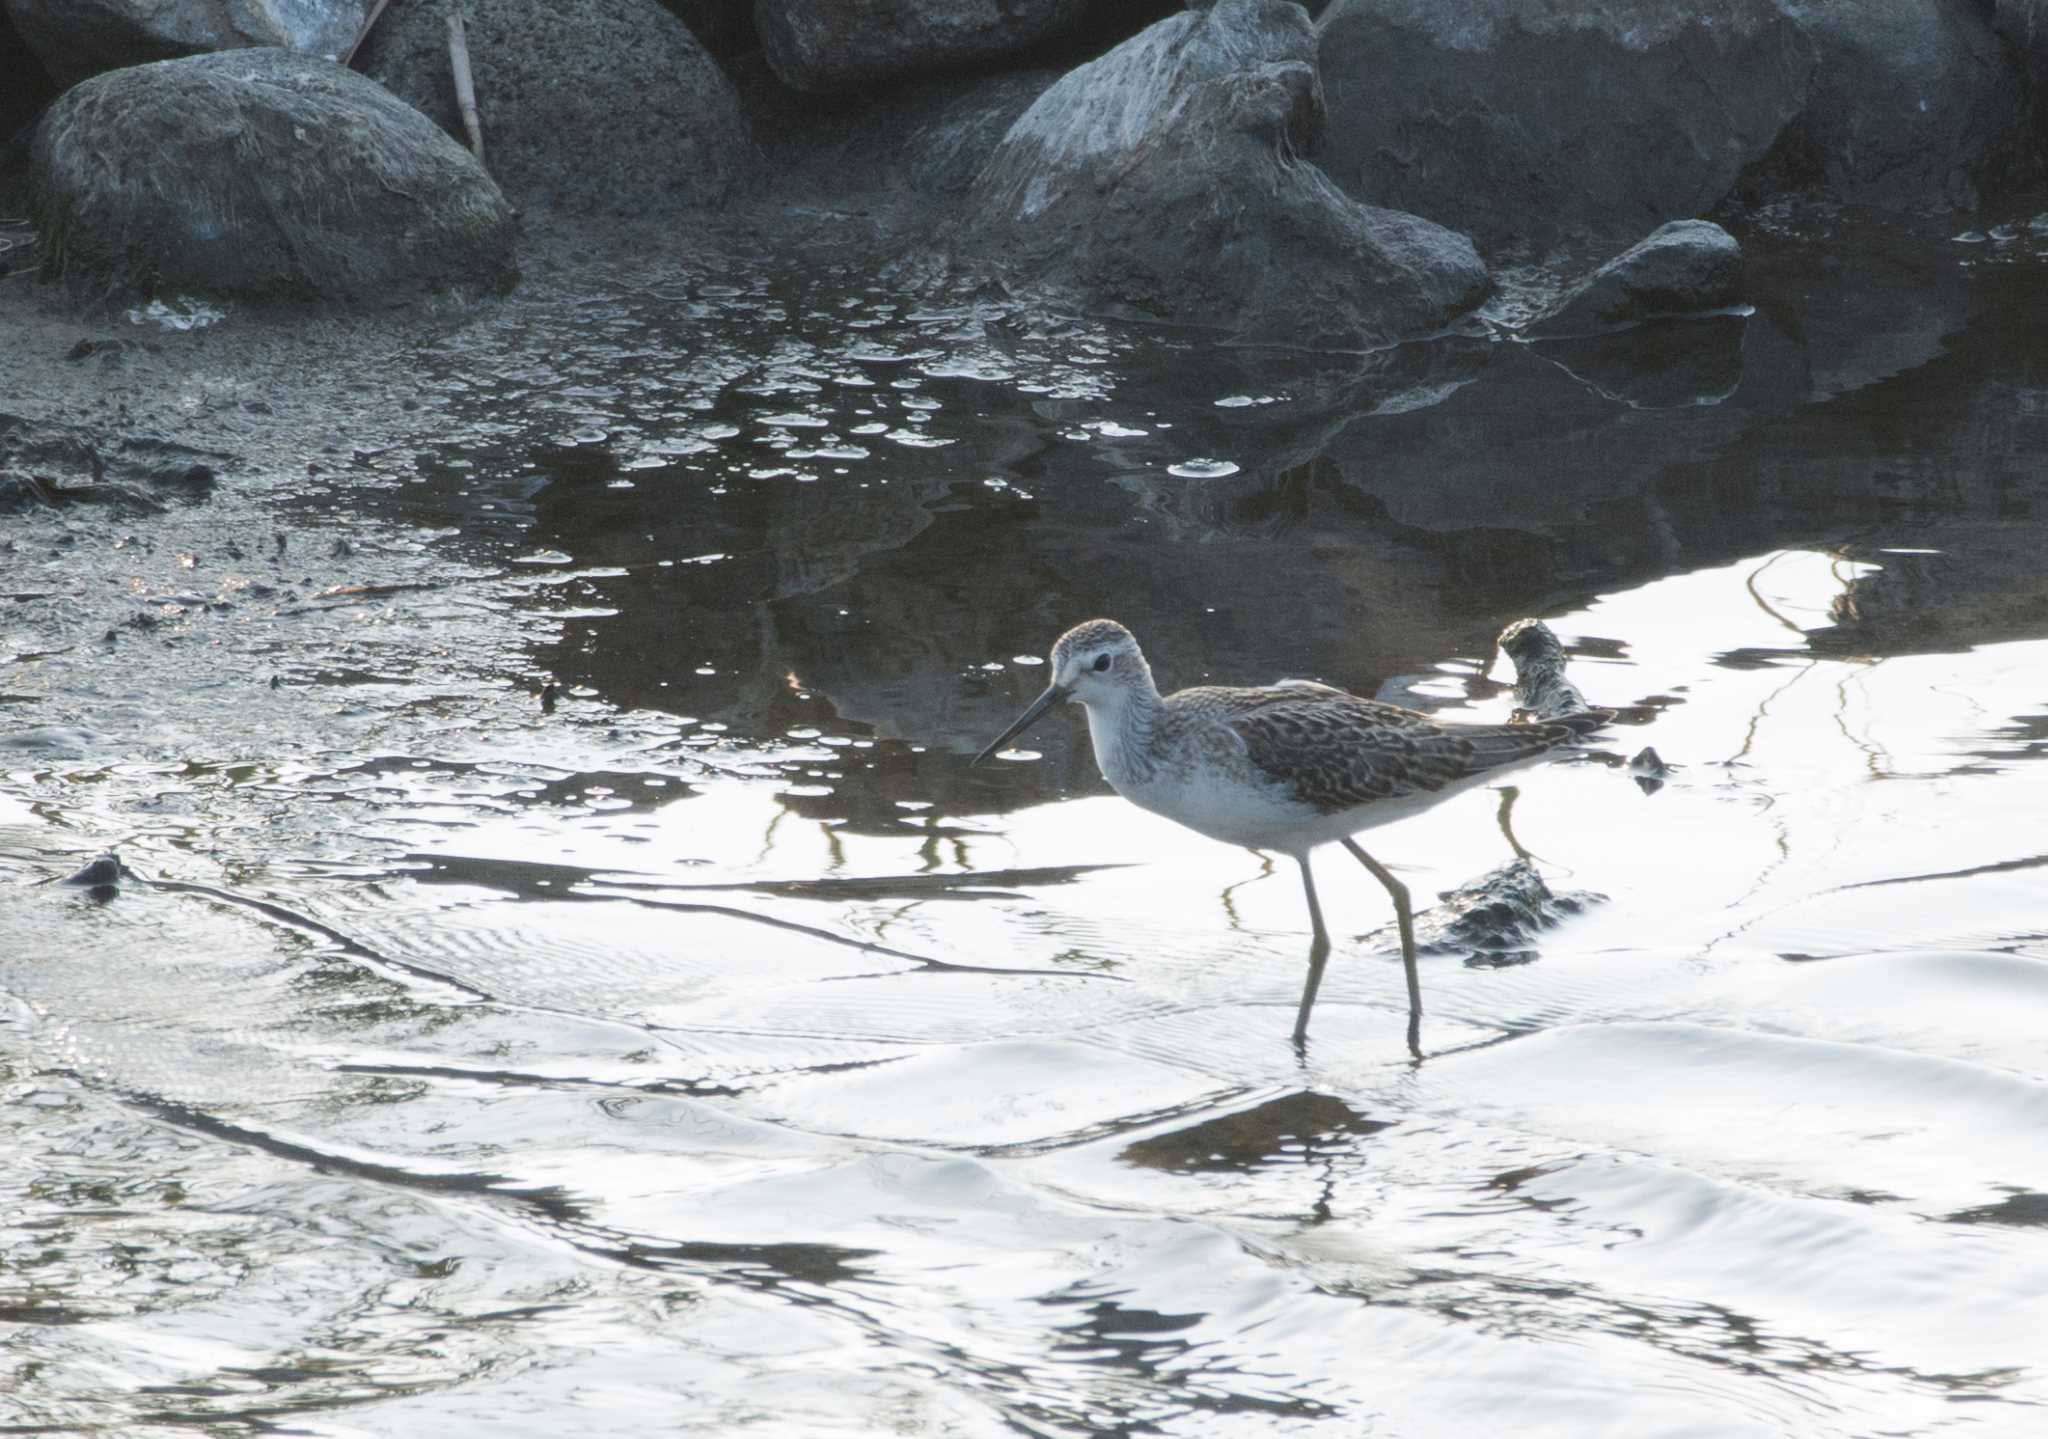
<point x="1094" y="663"/>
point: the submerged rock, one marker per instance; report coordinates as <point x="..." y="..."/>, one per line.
<point x="261" y="173"/>
<point x="605" y="106"/>
<point x="1677" y="366"/>
<point x="1527" y="122"/>
<point x="77" y="38"/>
<point x="1165" y="180"/>
<point x="1493" y="921"/>
<point x="833" y="46"/>
<point x="1685" y="267"/>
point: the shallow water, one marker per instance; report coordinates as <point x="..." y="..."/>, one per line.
<point x="714" y="1052"/>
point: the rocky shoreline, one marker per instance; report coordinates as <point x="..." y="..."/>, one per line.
<point x="1340" y="176"/>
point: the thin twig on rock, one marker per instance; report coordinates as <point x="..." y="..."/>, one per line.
<point x="465" y="89"/>
<point x="363" y="34"/>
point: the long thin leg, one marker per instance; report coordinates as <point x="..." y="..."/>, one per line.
<point x="1406" y="920"/>
<point x="1506" y="818"/>
<point x="1318" y="951"/>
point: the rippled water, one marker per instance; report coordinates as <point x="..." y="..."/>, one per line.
<point x="710" y="1051"/>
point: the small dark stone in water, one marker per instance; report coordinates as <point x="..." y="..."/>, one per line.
<point x="342" y="550"/>
<point x="549" y="694"/>
<point x="86" y="349"/>
<point x="1648" y="770"/>
<point x="101" y="879"/>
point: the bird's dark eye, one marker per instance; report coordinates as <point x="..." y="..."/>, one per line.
<point x="1101" y="663"/>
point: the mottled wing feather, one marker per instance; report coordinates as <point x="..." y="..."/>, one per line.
<point x="1337" y="751"/>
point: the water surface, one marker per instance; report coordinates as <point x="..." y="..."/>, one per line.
<point x="711" y="1051"/>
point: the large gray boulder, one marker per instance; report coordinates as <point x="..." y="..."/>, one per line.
<point x="1914" y="105"/>
<point x="831" y="46"/>
<point x="1166" y="180"/>
<point x="1684" y="268"/>
<point x="602" y="107"/>
<point x="1530" y="123"/>
<point x="77" y="38"/>
<point x="261" y="173"/>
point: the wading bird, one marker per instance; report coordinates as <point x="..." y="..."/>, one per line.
<point x="1282" y="767"/>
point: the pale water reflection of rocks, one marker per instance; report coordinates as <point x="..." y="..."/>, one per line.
<point x="716" y="1053"/>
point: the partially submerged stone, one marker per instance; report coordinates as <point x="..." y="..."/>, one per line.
<point x="837" y="46"/>
<point x="261" y="173"/>
<point x="1166" y="180"/>
<point x="1686" y="267"/>
<point x="1540" y="685"/>
<point x="1494" y="920"/>
<point x="77" y="38"/>
<point x="604" y="106"/>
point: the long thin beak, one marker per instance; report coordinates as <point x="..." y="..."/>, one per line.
<point x="1052" y="696"/>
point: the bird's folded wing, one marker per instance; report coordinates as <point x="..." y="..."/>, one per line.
<point x="1338" y="751"/>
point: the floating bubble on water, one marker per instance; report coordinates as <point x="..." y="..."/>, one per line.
<point x="1110" y="429"/>
<point x="960" y="368"/>
<point x="543" y="557"/>
<point x="878" y="355"/>
<point x="792" y="419"/>
<point x="1027" y="659"/>
<point x="1019" y="756"/>
<point x="1239" y="402"/>
<point x="806" y="791"/>
<point x="719" y="432"/>
<point x="1968" y="237"/>
<point x="185" y="313"/>
<point x="917" y="441"/>
<point x="1202" y="469"/>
